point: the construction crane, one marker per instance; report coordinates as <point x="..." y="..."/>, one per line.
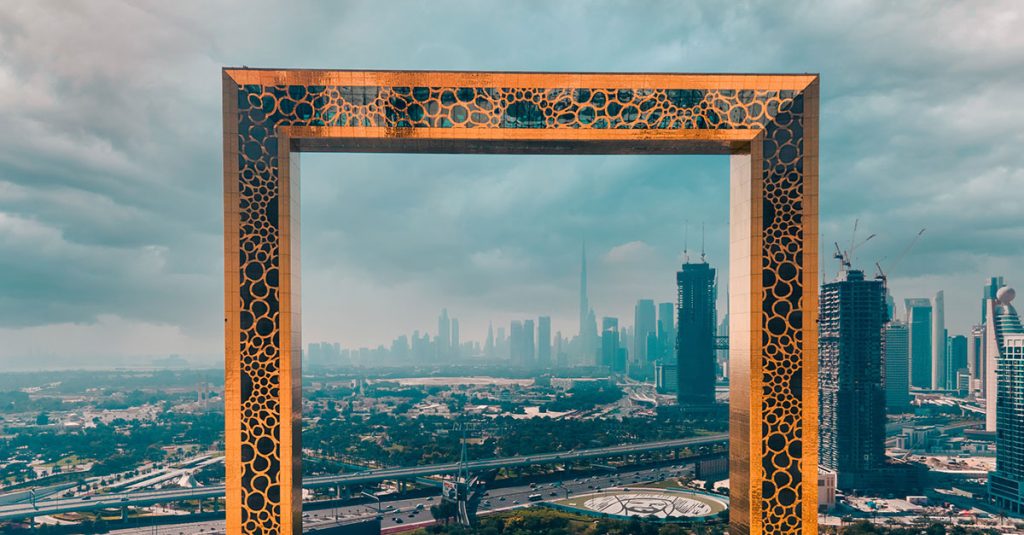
<point x="881" y="274"/>
<point x="846" y="257"/>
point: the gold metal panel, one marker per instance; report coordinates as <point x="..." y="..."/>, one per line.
<point x="767" y="122"/>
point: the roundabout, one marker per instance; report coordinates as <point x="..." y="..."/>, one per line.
<point x="665" y="505"/>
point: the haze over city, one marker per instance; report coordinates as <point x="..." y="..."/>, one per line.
<point x="110" y="215"/>
<point x="583" y="267"/>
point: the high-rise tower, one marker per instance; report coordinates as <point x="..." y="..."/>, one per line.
<point x="489" y="344"/>
<point x="517" y="343"/>
<point x="455" y="340"/>
<point x="897" y="367"/>
<point x="851" y="395"/>
<point x="939" y="343"/>
<point x="587" y="341"/>
<point x="584" y="301"/>
<point x="529" y="346"/>
<point x="666" y="329"/>
<point x="976" y="358"/>
<point x="544" y="342"/>
<point x="989" y="292"/>
<point x="644" y="324"/>
<point x="444" y="335"/>
<point x="610" y="344"/>
<point x="956" y="363"/>
<point x="1003" y="324"/>
<point x="1006" y="484"/>
<point x="919" y="325"/>
<point x="695" y="335"/>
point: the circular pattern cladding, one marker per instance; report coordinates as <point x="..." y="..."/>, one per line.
<point x="782" y="368"/>
<point x="658" y="504"/>
<point x="488" y="107"/>
<point x="261" y="109"/>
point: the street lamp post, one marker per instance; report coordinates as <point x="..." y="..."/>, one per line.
<point x="374" y="496"/>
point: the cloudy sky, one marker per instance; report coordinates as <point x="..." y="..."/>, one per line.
<point x="110" y="188"/>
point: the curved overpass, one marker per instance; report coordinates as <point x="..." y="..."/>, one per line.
<point x="153" y="497"/>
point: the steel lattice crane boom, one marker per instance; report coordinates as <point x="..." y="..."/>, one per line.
<point x="881" y="274"/>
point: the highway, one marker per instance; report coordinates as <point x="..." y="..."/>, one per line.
<point x="153" y="497"/>
<point x="401" y="513"/>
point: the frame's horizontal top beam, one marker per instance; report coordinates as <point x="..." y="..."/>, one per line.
<point x="517" y="141"/>
<point x="780" y="82"/>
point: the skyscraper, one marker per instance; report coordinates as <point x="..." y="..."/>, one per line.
<point x="455" y="342"/>
<point x="644" y="323"/>
<point x="590" y="352"/>
<point x="610" y="344"/>
<point x="695" y="335"/>
<point x="517" y="343"/>
<point x="851" y="395"/>
<point x="529" y="345"/>
<point x="489" y="344"/>
<point x="666" y="329"/>
<point x="919" y="324"/>
<point x="722" y="357"/>
<point x="444" y="335"/>
<point x="939" y="343"/>
<point x="989" y="292"/>
<point x="1003" y="324"/>
<point x="956" y="359"/>
<point x="501" y="344"/>
<point x="1006" y="484"/>
<point x="587" y="341"/>
<point x="400" y="348"/>
<point x="976" y="357"/>
<point x="561" y="359"/>
<point x="666" y="376"/>
<point x="897" y="367"/>
<point x="584" y="300"/>
<point x="544" y="342"/>
<point x="890" y="305"/>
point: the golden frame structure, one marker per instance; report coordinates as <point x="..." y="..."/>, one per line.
<point x="768" y="124"/>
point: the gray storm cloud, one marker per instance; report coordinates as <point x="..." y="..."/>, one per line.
<point x="110" y="199"/>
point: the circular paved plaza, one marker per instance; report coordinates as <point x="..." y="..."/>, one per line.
<point x="666" y="505"/>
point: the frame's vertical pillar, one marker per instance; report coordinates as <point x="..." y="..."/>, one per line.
<point x="262" y="321"/>
<point x="291" y="339"/>
<point x="782" y="353"/>
<point x="745" y="339"/>
<point x="809" y="305"/>
<point x="773" y="413"/>
<point x="232" y="313"/>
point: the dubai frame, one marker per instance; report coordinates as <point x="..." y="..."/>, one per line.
<point x="768" y="124"/>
